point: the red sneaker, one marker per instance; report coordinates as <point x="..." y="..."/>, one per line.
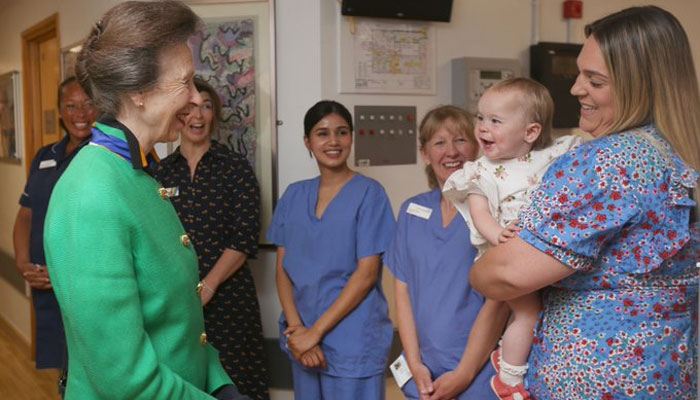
<point x="496" y="360"/>
<point x="507" y="392"/>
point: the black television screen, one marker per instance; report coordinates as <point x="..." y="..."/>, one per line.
<point x="433" y="10"/>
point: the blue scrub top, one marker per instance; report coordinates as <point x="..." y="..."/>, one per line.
<point x="435" y="262"/>
<point x="320" y="256"/>
<point x="47" y="167"/>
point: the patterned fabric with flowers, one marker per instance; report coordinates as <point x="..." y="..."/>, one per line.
<point x="617" y="210"/>
<point x="507" y="184"/>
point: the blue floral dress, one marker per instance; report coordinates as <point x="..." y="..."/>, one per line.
<point x="617" y="210"/>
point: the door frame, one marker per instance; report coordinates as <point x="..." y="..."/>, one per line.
<point x="31" y="88"/>
<point x="31" y="103"/>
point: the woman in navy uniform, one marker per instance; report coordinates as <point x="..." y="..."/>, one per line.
<point x="77" y="114"/>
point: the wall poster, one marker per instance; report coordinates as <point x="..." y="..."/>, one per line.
<point x="380" y="56"/>
<point x="10" y="118"/>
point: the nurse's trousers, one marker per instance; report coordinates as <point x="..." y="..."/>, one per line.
<point x="312" y="385"/>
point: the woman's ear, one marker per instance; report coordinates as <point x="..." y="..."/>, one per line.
<point x="424" y="156"/>
<point x="137" y="99"/>
<point x="532" y="132"/>
<point x="308" y="146"/>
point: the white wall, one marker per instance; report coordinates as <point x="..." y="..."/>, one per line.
<point x="299" y="83"/>
<point x="307" y="65"/>
<point x="470" y="33"/>
<point x="479" y="28"/>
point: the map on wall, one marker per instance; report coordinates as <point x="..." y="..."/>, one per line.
<point x="223" y="55"/>
<point x="392" y="57"/>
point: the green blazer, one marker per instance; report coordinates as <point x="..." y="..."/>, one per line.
<point x="126" y="282"/>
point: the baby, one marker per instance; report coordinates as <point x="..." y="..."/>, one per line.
<point x="513" y="128"/>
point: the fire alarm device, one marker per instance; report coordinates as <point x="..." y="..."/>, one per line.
<point x="573" y="9"/>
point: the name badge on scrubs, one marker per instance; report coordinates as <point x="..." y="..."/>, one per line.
<point x="419" y="211"/>
<point x="47" y="164"/>
<point x="173" y="191"/>
<point x="399" y="368"/>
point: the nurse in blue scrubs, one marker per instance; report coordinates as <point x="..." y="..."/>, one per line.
<point x="446" y="340"/>
<point x="77" y="115"/>
<point x="331" y="232"/>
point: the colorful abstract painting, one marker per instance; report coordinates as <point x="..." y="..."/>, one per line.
<point x="224" y="56"/>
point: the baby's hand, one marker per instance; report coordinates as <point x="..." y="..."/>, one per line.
<point x="509" y="232"/>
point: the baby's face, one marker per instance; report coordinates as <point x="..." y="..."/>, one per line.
<point x="501" y="125"/>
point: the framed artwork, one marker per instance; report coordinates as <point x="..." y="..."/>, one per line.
<point x="10" y="118"/>
<point x="234" y="53"/>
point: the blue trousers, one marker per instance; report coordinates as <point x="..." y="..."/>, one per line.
<point x="312" y="385"/>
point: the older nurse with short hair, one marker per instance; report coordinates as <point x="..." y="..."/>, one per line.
<point x="610" y="232"/>
<point x="447" y="328"/>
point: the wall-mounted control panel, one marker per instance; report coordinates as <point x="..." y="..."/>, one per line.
<point x="385" y="135"/>
<point x="472" y="76"/>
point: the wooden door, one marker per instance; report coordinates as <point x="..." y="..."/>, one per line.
<point x="41" y="67"/>
<point x="49" y="76"/>
<point x="41" y="74"/>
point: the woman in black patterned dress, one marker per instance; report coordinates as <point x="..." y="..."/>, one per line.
<point x="216" y="195"/>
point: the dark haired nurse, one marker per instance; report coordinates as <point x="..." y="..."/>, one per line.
<point x="331" y="232"/>
<point x="77" y="114"/>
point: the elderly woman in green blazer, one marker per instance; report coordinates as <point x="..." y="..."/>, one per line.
<point x="122" y="266"/>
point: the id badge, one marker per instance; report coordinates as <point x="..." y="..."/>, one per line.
<point x="399" y="368"/>
<point x="173" y="191"/>
<point x="47" y="164"/>
<point x="419" y="210"/>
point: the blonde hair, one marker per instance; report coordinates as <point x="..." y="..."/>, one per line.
<point x="536" y="102"/>
<point x="652" y="76"/>
<point x="455" y="120"/>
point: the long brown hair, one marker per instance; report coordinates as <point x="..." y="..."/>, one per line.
<point x="652" y="76"/>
